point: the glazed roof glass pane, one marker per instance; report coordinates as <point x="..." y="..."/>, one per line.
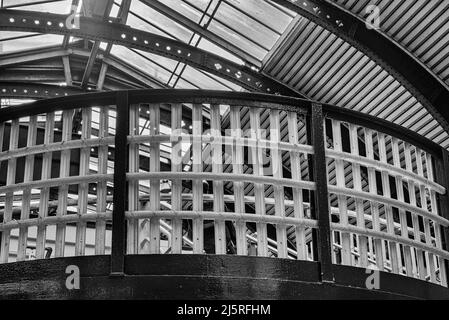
<point x="251" y="25"/>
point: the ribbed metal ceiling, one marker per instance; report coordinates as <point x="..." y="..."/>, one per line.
<point x="322" y="66"/>
<point x="290" y="48"/>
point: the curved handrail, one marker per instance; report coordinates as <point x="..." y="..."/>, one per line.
<point x="271" y="105"/>
<point x="268" y="101"/>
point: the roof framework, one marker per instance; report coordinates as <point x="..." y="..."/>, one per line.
<point x="396" y="73"/>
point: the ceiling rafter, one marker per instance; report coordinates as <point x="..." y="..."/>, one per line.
<point x="121" y="18"/>
<point x="103" y="9"/>
<point x="42" y="55"/>
<point x="35" y="90"/>
<point x="94" y="29"/>
<point x="430" y="91"/>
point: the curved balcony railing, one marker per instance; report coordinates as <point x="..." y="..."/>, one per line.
<point x="207" y="172"/>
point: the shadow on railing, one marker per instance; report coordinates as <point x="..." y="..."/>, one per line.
<point x="208" y="172"/>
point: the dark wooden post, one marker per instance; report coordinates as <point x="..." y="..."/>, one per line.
<point x="321" y="194"/>
<point x="120" y="186"/>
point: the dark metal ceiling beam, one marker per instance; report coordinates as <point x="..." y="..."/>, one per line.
<point x="35" y="90"/>
<point x="94" y="29"/>
<point x="430" y="91"/>
<point x="121" y="18"/>
<point x="98" y="8"/>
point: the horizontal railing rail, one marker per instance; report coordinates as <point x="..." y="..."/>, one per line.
<point x="212" y="172"/>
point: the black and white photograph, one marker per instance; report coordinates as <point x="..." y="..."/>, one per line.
<point x="224" y="156"/>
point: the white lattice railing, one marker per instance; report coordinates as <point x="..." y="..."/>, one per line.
<point x="219" y="173"/>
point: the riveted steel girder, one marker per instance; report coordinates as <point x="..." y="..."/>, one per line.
<point x="98" y="30"/>
<point x="35" y="90"/>
<point x="430" y="91"/>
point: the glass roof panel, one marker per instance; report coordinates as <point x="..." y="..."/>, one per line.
<point x="158" y="21"/>
<point x="236" y="39"/>
<point x="202" y="80"/>
<point x="5" y="35"/>
<point x="139" y="61"/>
<point x="255" y="33"/>
<point x="264" y="12"/>
<point x="30" y="43"/>
<point x="57" y="6"/>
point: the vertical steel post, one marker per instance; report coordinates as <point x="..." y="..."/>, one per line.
<point x="120" y="186"/>
<point x="321" y="194"/>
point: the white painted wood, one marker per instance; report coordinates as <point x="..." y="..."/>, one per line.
<point x="402" y="214"/>
<point x="26" y="197"/>
<point x="259" y="189"/>
<point x="45" y="192"/>
<point x="83" y="188"/>
<point x="155" y="183"/>
<point x="10" y="179"/>
<point x="197" y="184"/>
<point x="359" y="207"/>
<point x="237" y="168"/>
<point x="217" y="167"/>
<point x="133" y="186"/>
<point x="176" y="166"/>
<point x="393" y="247"/>
<point x="295" y="160"/>
<point x="67" y="118"/>
<point x="372" y="183"/>
<point x="420" y="268"/>
<point x="342" y="200"/>
<point x="276" y="164"/>
<point x="102" y="189"/>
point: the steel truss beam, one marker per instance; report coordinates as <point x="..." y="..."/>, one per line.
<point x="31" y="56"/>
<point x="430" y="91"/>
<point x="35" y="90"/>
<point x="97" y="30"/>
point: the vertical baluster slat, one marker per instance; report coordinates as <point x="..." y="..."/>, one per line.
<point x="372" y="184"/>
<point x="155" y="183"/>
<point x="102" y="187"/>
<point x="295" y="161"/>
<point x="279" y="205"/>
<point x="360" y="211"/>
<point x="45" y="192"/>
<point x="342" y="200"/>
<point x="176" y="166"/>
<point x="83" y="188"/>
<point x="133" y="186"/>
<point x="237" y="168"/>
<point x="217" y="167"/>
<point x="26" y="197"/>
<point x="402" y="214"/>
<point x="415" y="222"/>
<point x="393" y="249"/>
<point x="259" y="193"/>
<point x="9" y="197"/>
<point x="423" y="201"/>
<point x="423" y="197"/>
<point x="197" y="166"/>
<point x="67" y="124"/>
